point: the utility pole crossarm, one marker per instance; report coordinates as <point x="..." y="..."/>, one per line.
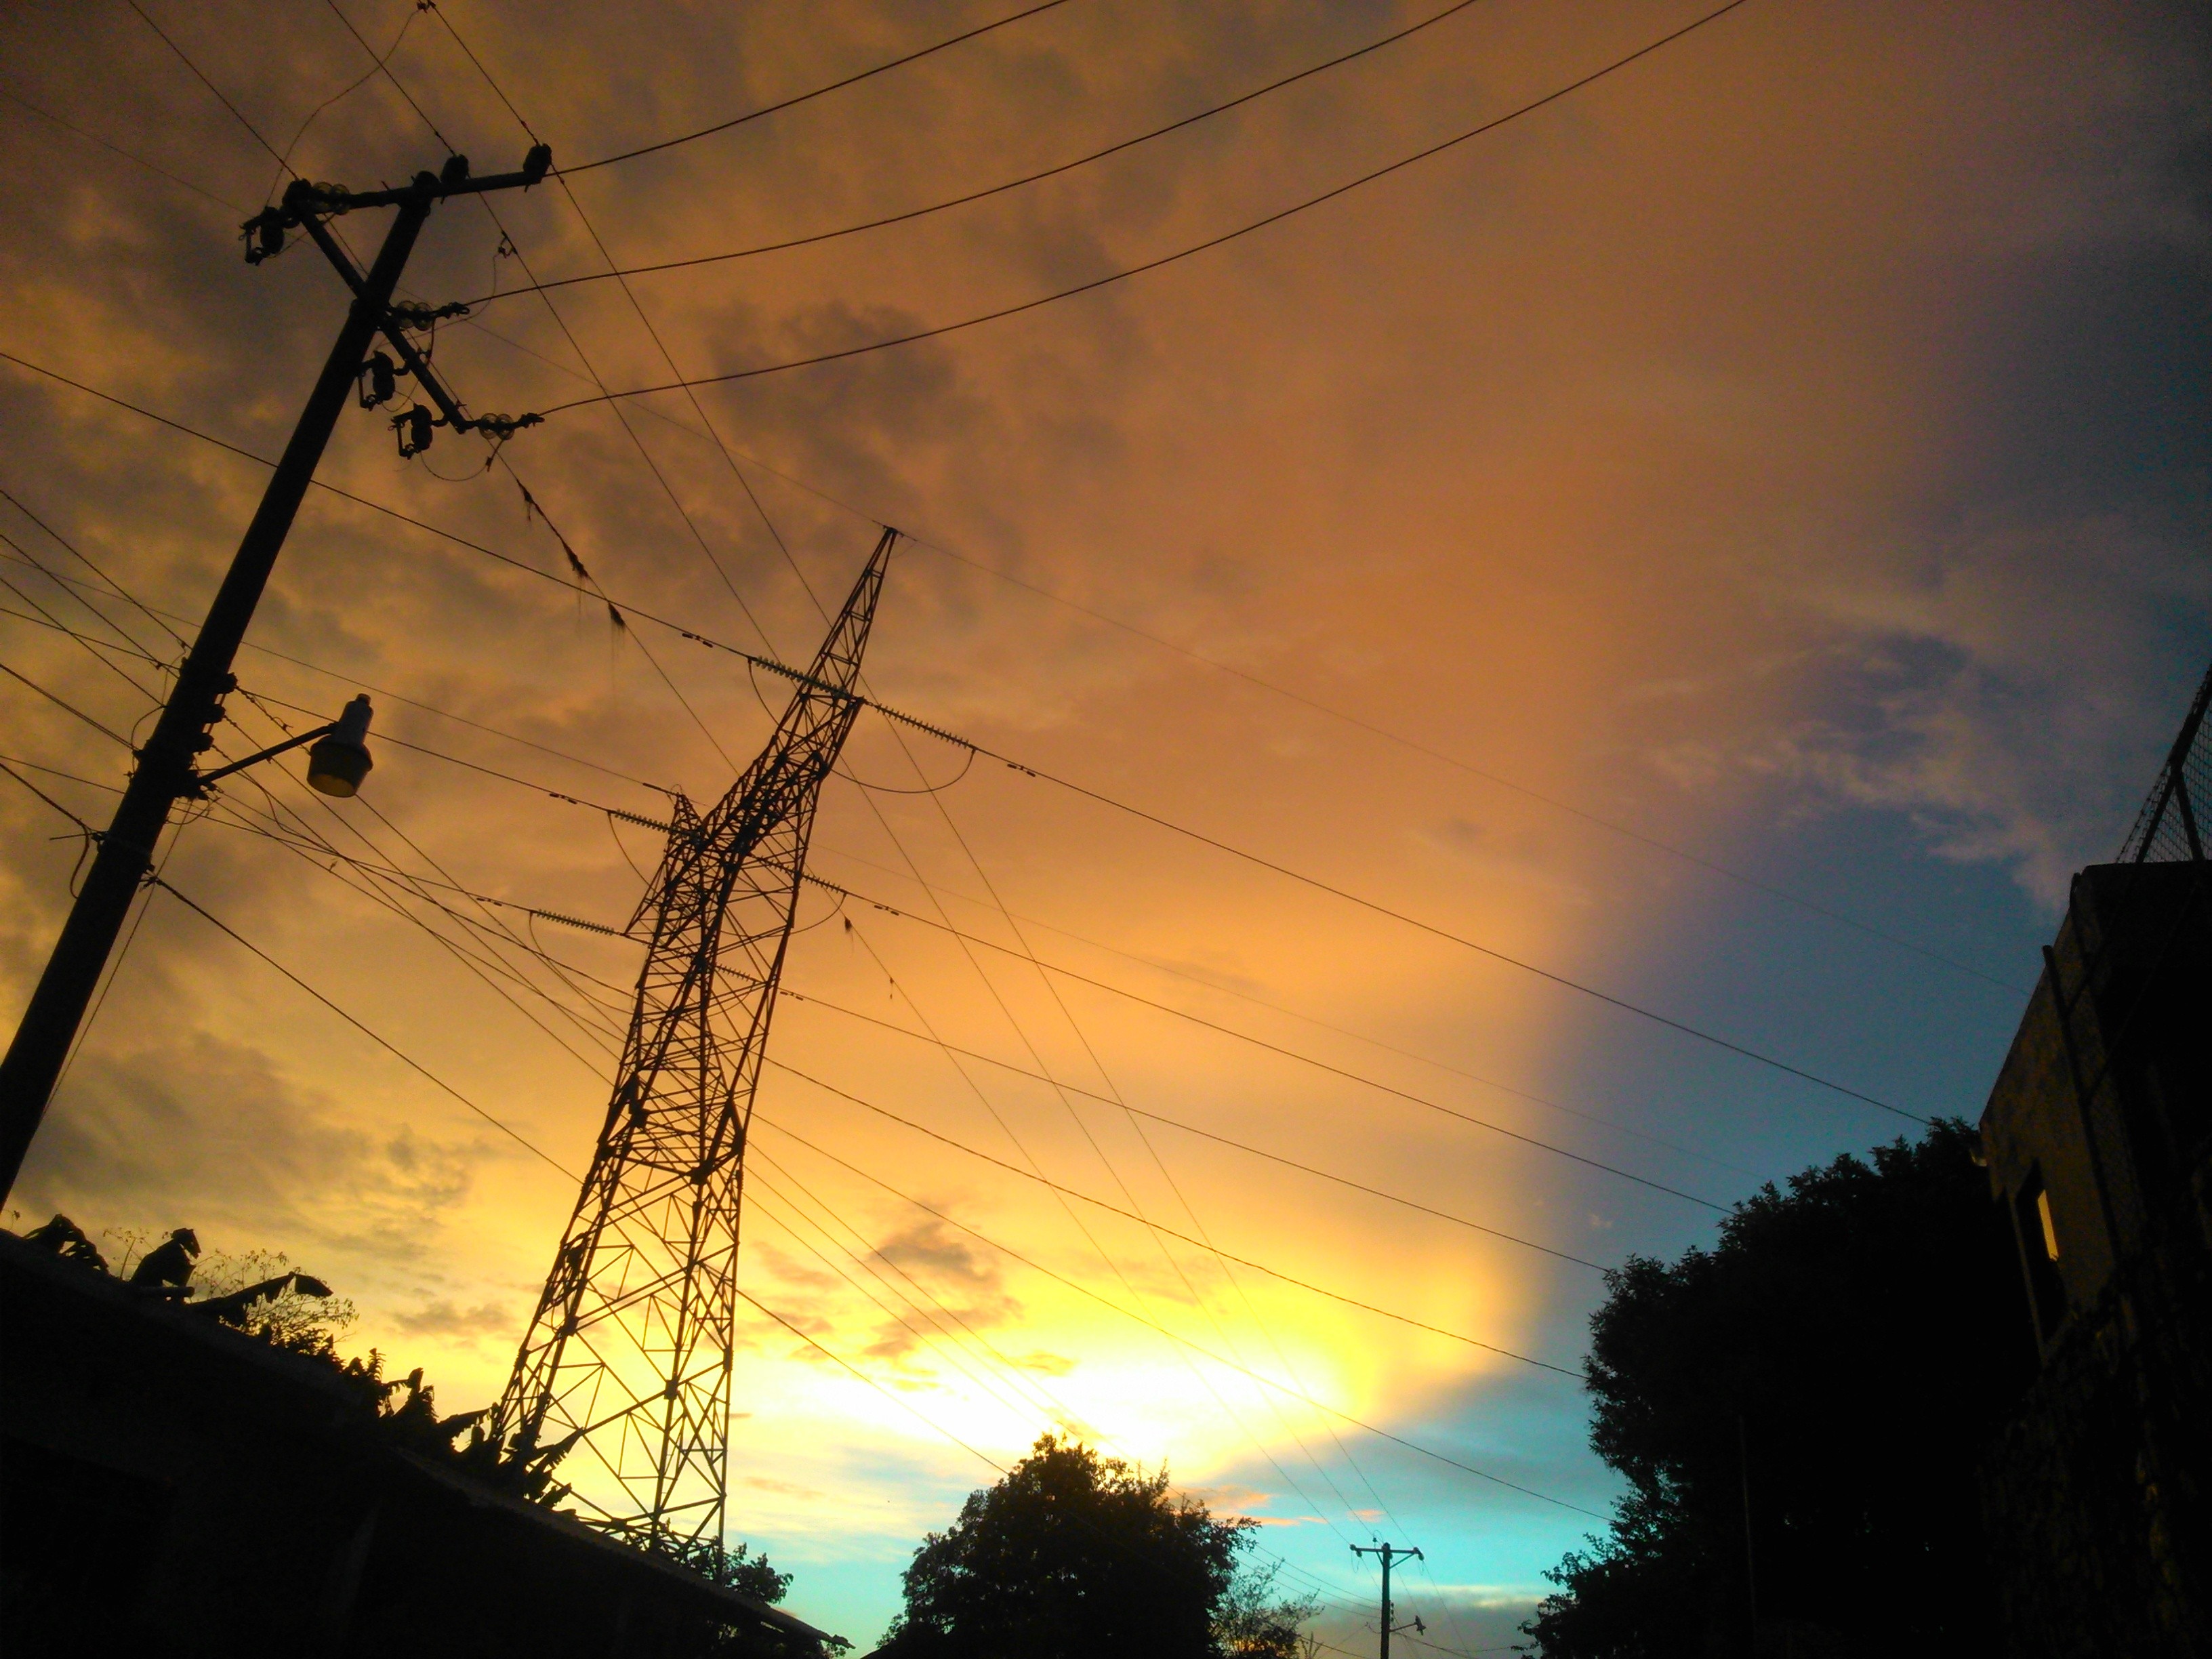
<point x="303" y="197"/>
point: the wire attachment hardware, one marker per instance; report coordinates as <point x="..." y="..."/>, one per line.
<point x="414" y="314"/>
<point x="416" y="429"/>
<point x="378" y="379"/>
<point x="504" y="426"/>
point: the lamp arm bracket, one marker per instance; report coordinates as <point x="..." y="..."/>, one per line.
<point x="201" y="780"/>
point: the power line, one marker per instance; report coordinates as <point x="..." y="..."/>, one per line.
<point x="1382" y="909"/>
<point x="1164" y="259"/>
<point x="565" y="920"/>
<point x="1287" y="1053"/>
<point x="1215" y="986"/>
<point x="1055" y="170"/>
<point x="14" y="97"/>
<point x="494" y="772"/>
<point x="1108" y="1301"/>
<point x="1112" y="1265"/>
<point x="1752" y="883"/>
<point x="773" y="665"/>
<point x="1207" y="1134"/>
<point x="93" y="646"/>
<point x="381" y="65"/>
<point x="576" y="204"/>
<point x="804" y="97"/>
<point x="355" y="681"/>
<point x="56" y="772"/>
<point x="66" y="706"/>
<point x="397" y="1053"/>
<point x="220" y="97"/>
<point x="379" y="1041"/>
<point x="531" y="1146"/>
<point x="569" y="920"/>
<point x="1131" y="1215"/>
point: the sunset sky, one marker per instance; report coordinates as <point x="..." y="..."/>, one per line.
<point x="1733" y="538"/>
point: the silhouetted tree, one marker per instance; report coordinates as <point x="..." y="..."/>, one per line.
<point x="1257" y="1619"/>
<point x="1844" y="1352"/>
<point x="1074" y="1555"/>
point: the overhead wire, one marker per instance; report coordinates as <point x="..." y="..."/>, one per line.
<point x="1019" y="1377"/>
<point x="346" y="91"/>
<point x="928" y="1340"/>
<point x="367" y="1031"/>
<point x="813" y="1000"/>
<point x="1287" y="1053"/>
<point x="509" y="1130"/>
<point x="220" y="97"/>
<point x="66" y="707"/>
<point x="497" y="450"/>
<point x="137" y="160"/>
<point x="1136" y="1125"/>
<point x="1613" y="826"/>
<point x="660" y="345"/>
<point x="1683" y="1027"/>
<point x="1091" y="1238"/>
<point x="1127" y="272"/>
<point x="795" y="99"/>
<point x="1053" y="171"/>
<point x="1113" y="1264"/>
<point x="1108" y="1301"/>
<point x="1215" y="985"/>
<point x="93" y="647"/>
<point x="360" y="683"/>
<point x="1080" y="1196"/>
<point x="484" y="964"/>
<point x="228" y="930"/>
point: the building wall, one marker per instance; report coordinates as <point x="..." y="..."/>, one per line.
<point x="2096" y="1495"/>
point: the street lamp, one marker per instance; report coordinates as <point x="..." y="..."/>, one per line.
<point x="336" y="765"/>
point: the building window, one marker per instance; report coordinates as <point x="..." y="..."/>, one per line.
<point x="2038" y="1248"/>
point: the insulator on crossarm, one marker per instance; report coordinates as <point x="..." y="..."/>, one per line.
<point x="377" y="380"/>
<point x="264" y="237"/>
<point x="414" y="428"/>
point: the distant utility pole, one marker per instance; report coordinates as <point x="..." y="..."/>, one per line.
<point x="1389" y="1553"/>
<point x="166" y="771"/>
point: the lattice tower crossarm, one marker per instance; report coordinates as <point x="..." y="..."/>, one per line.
<point x="627" y="1357"/>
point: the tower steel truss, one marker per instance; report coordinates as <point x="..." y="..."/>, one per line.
<point x="628" y="1354"/>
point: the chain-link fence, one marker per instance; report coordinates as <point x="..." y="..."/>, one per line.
<point x="2176" y="822"/>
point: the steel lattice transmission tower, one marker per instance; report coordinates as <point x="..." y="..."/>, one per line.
<point x="628" y="1354"/>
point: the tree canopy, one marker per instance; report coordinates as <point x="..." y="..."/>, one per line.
<point x="1799" y="1412"/>
<point x="1074" y="1555"/>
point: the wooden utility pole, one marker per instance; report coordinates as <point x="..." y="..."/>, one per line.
<point x="1388" y="1554"/>
<point x="166" y="771"/>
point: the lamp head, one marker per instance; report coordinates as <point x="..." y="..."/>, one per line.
<point x="340" y="760"/>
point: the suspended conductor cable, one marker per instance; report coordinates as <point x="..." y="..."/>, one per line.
<point x="1107" y="1301"/>
<point x="1053" y="171"/>
<point x="798" y="99"/>
<point x="1188" y="1128"/>
<point x="1160" y="1227"/>
<point x="1287" y="1053"/>
<point x="400" y="1055"/>
<point x="67" y="707"/>
<point x="941" y="732"/>
<point x="1179" y="254"/>
<point x="220" y="97"/>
